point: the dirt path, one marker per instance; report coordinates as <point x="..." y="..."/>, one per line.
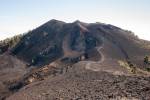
<point x="90" y="63"/>
<point x="108" y="65"/>
<point x="102" y="56"/>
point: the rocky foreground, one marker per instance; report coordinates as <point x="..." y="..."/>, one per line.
<point x="86" y="85"/>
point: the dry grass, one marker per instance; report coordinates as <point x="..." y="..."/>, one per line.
<point x="125" y="65"/>
<point x="137" y="70"/>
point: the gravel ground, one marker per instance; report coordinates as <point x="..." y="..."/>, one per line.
<point x="87" y="85"/>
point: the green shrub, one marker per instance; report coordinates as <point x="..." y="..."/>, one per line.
<point x="148" y="69"/>
<point x="146" y="59"/>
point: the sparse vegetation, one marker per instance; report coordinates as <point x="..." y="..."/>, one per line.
<point x="132" y="68"/>
<point x="148" y="69"/>
<point x="125" y="65"/>
<point x="11" y="41"/>
<point x="146" y="60"/>
<point x="147" y="63"/>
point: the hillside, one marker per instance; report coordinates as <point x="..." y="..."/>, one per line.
<point x="59" y="60"/>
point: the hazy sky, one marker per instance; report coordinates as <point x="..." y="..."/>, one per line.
<point x="19" y="16"/>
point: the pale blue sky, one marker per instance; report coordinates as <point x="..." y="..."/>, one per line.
<point x="19" y="16"/>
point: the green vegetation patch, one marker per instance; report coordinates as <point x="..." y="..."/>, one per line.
<point x="11" y="41"/>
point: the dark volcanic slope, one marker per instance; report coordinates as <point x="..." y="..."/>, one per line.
<point x="59" y="40"/>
